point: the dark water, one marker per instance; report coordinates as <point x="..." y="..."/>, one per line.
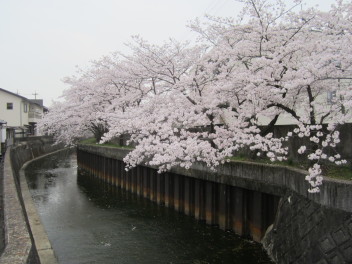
<point x="91" y="224"/>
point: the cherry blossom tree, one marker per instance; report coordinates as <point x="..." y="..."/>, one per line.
<point x="183" y="103"/>
<point x="274" y="63"/>
<point x="63" y="122"/>
<point x="96" y="92"/>
<point x="281" y="63"/>
<point x="165" y="125"/>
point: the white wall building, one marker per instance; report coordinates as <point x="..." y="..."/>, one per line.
<point x="20" y="114"/>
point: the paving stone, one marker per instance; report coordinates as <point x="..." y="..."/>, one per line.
<point x="326" y="245"/>
<point x="321" y="261"/>
<point x="318" y="217"/>
<point x="310" y="208"/>
<point x="300" y="261"/>
<point x="315" y="253"/>
<point x="347" y="252"/>
<point x="316" y="235"/>
<point x="297" y="252"/>
<point x="350" y="227"/>
<point x="340" y="237"/>
<point x="305" y="243"/>
<point x="336" y="260"/>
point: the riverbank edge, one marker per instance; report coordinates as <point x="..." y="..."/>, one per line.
<point x="19" y="243"/>
<point x="45" y="251"/>
<point x="269" y="178"/>
<point x="307" y="228"/>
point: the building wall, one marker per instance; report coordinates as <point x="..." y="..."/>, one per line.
<point x="16" y="116"/>
<point x="35" y="113"/>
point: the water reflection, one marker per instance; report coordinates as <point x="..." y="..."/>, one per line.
<point x="89" y="222"/>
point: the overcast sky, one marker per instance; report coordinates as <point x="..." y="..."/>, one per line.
<point x="42" y="41"/>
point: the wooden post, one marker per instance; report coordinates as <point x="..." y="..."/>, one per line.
<point x="237" y="210"/>
<point x="223" y="214"/>
<point x="255" y="216"/>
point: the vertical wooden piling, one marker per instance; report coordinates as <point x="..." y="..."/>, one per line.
<point x="167" y="189"/>
<point x="224" y="204"/>
<point x="197" y="199"/>
<point x="255" y="216"/>
<point x="160" y="192"/>
<point x="237" y="210"/>
<point x="139" y="180"/>
<point x="152" y="184"/>
<point x="176" y="179"/>
<point x="246" y="212"/>
<point x="134" y="180"/>
<point x="187" y="196"/>
<point x="209" y="202"/>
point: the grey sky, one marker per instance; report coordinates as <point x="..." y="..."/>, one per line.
<point x="43" y="40"/>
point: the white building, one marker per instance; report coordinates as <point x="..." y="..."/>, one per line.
<point x="19" y="115"/>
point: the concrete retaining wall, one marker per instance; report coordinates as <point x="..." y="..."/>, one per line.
<point x="19" y="242"/>
<point x="271" y="179"/>
<point x="307" y="232"/>
<point x="306" y="228"/>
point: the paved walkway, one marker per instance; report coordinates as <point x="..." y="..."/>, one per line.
<point x="2" y="236"/>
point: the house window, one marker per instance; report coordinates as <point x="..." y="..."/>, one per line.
<point x="9" y="106"/>
<point x="331" y="97"/>
<point x="25" y="108"/>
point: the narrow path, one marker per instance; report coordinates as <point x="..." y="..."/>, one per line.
<point x="2" y="235"/>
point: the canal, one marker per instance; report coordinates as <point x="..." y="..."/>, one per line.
<point x="90" y="222"/>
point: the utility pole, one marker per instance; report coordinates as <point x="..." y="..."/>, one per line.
<point x="35" y="94"/>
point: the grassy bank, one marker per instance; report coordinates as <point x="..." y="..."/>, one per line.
<point x="92" y="141"/>
<point x="331" y="171"/>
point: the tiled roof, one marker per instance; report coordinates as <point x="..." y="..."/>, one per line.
<point x="33" y="101"/>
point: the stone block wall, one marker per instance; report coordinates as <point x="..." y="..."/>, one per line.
<point x="19" y="245"/>
<point x="307" y="232"/>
